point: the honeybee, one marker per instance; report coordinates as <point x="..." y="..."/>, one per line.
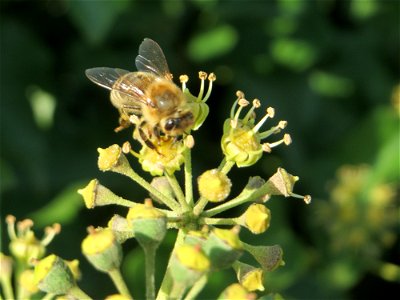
<point x="149" y="98"/>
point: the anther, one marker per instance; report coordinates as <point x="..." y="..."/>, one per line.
<point x="183" y="78"/>
<point x="243" y="102"/>
<point x="287" y="140"/>
<point x="256" y="103"/>
<point x="212" y="77"/>
<point x="126" y="147"/>
<point x="266" y="148"/>
<point x="189" y="141"/>
<point x="282" y="124"/>
<point x="271" y="112"/>
<point x="202" y="75"/>
<point x="239" y="94"/>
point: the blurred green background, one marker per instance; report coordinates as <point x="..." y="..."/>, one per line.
<point x="330" y="68"/>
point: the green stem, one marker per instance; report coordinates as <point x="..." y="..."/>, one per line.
<point x="199" y="207"/>
<point x="150" y="257"/>
<point x="119" y="282"/>
<point x="177" y="191"/>
<point x="167" y="283"/>
<point x="171" y="203"/>
<point x="226" y="166"/>
<point x="178" y="290"/>
<point x="227" y="205"/>
<point x="77" y="293"/>
<point x="7" y="287"/>
<point x="249" y="193"/>
<point x="48" y="296"/>
<point x="219" y="221"/>
<point x="196" y="288"/>
<point x="188" y="178"/>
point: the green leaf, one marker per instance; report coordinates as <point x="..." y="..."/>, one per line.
<point x="62" y="209"/>
<point x="213" y="43"/>
<point x="95" y="18"/>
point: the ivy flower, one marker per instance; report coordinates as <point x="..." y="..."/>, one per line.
<point x="241" y="140"/>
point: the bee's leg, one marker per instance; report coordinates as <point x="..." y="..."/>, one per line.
<point x="146" y="140"/>
<point x="123" y="123"/>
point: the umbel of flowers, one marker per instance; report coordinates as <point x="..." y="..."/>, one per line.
<point x="205" y="242"/>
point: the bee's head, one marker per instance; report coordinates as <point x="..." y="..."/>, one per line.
<point x="178" y="124"/>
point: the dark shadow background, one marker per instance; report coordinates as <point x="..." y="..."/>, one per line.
<point x="330" y="68"/>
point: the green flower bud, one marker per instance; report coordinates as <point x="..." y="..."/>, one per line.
<point x="256" y="218"/>
<point x="95" y="194"/>
<point x="223" y="247"/>
<point x="168" y="157"/>
<point x="214" y="185"/>
<point x="196" y="237"/>
<point x="149" y="224"/>
<point x="188" y="264"/>
<point x="249" y="277"/>
<point x="52" y="275"/>
<point x="162" y="185"/>
<point x="102" y="249"/>
<point x="269" y="257"/>
<point x="282" y="183"/>
<point x="236" y="291"/>
<point x="74" y="267"/>
<point x="121" y="228"/>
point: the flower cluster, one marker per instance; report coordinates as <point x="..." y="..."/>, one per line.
<point x="202" y="246"/>
<point x="205" y="242"/>
<point x="31" y="271"/>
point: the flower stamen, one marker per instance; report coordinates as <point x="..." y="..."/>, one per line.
<point x="50" y="233"/>
<point x="250" y="114"/>
<point x="274" y="130"/>
<point x="183" y="79"/>
<point x="202" y="76"/>
<point x="211" y="78"/>
<point x="287" y="140"/>
<point x="10" y="220"/>
<point x="270" y="113"/>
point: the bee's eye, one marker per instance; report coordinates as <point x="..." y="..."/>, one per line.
<point x="171" y="124"/>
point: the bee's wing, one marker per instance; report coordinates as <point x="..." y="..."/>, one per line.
<point x="109" y="79"/>
<point x="151" y="59"/>
<point x="105" y="77"/>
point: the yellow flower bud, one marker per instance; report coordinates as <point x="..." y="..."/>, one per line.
<point x="249" y="277"/>
<point x="188" y="264"/>
<point x="27" y="281"/>
<point x="256" y="218"/>
<point x="214" y="185"/>
<point x="236" y="291"/>
<point x="113" y="159"/>
<point x="102" y="249"/>
<point x="117" y="297"/>
<point x="149" y="224"/>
